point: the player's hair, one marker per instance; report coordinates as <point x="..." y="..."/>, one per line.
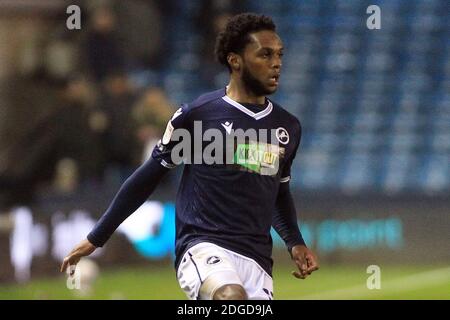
<point x="235" y="36"/>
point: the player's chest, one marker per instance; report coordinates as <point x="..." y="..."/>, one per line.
<point x="241" y="127"/>
<point x="260" y="146"/>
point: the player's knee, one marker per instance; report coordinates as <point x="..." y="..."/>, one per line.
<point x="230" y="292"/>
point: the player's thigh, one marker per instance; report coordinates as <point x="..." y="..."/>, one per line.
<point x="205" y="268"/>
<point x="259" y="286"/>
<point x="257" y="283"/>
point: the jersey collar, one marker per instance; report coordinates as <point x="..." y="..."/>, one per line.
<point x="256" y="116"/>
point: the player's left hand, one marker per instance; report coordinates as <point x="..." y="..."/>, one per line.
<point x="305" y="260"/>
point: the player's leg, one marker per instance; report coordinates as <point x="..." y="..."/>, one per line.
<point x="257" y="283"/>
<point x="207" y="272"/>
<point x="230" y="292"/>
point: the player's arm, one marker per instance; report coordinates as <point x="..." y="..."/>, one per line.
<point x="131" y="195"/>
<point x="285" y="224"/>
<point x="285" y="218"/>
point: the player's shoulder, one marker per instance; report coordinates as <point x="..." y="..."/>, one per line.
<point x="186" y="113"/>
<point x="286" y="115"/>
<point x="205" y="99"/>
<point x="187" y="109"/>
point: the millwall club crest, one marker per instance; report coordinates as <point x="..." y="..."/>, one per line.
<point x="282" y="135"/>
<point x="213" y="260"/>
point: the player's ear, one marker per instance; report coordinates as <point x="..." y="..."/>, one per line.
<point x="234" y="61"/>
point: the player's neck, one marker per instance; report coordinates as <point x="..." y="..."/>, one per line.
<point x="238" y="92"/>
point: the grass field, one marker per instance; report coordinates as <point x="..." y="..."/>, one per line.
<point x="330" y="282"/>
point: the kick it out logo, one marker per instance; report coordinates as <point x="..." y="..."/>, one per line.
<point x="260" y="158"/>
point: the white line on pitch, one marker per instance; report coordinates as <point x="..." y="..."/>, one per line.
<point x="402" y="284"/>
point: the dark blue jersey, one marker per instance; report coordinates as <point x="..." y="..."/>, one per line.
<point x="231" y="203"/>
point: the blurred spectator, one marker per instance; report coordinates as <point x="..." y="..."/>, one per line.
<point x="67" y="178"/>
<point x="211" y="19"/>
<point x="102" y="46"/>
<point x="28" y="138"/>
<point x="151" y="114"/>
<point x="114" y="114"/>
<point x="79" y="139"/>
<point x="60" y="57"/>
<point x="48" y="123"/>
<point x="123" y="35"/>
<point x="141" y="29"/>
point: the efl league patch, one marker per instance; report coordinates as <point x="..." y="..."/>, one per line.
<point x="177" y="113"/>
<point x="168" y="133"/>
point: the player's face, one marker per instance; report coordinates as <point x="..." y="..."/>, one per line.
<point x="262" y="62"/>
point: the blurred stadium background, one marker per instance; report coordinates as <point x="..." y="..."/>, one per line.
<point x="80" y="109"/>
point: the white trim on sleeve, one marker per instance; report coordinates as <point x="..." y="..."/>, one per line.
<point x="285" y="179"/>
<point x="167" y="165"/>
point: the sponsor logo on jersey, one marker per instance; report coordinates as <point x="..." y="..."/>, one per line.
<point x="262" y="158"/>
<point x="228" y="126"/>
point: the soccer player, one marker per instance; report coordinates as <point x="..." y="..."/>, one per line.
<point x="224" y="211"/>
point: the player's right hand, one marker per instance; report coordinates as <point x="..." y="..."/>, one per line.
<point x="84" y="248"/>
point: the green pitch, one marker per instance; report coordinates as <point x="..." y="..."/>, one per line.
<point x="330" y="282"/>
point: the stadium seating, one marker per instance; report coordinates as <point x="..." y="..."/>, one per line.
<point x="374" y="104"/>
